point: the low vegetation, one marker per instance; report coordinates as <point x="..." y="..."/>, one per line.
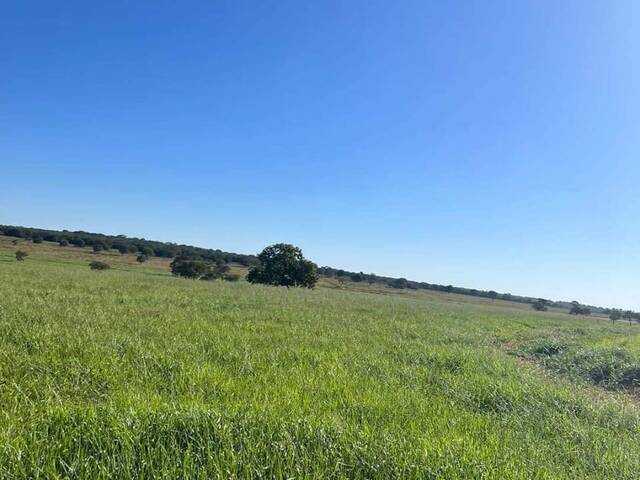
<point x="197" y="269"/>
<point x="100" y="244"/>
<point x="141" y="374"/>
<point x="611" y="367"/>
<point x="97" y="265"/>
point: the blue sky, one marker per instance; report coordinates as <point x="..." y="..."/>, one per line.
<point x="492" y="145"/>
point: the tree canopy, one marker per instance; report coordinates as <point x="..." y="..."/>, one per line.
<point x="189" y="268"/>
<point x="540" y="305"/>
<point x="148" y="248"/>
<point x="284" y="265"/>
<point x="124" y="244"/>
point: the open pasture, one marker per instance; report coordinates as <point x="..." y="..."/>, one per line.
<point x="131" y="373"/>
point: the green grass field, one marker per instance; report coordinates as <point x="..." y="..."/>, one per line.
<point x="131" y="373"/>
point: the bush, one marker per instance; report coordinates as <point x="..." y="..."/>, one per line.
<point x="98" y="247"/>
<point x="37" y="239"/>
<point x="189" y="268"/>
<point x="216" y="272"/>
<point x="358" y="277"/>
<point x="283" y="265"/>
<point x="231" y="277"/>
<point x="399" y="283"/>
<point x="99" y="266"/>
<point x="63" y="243"/>
<point x="579" y="310"/>
<point x="540" y="305"/>
<point x="122" y="248"/>
<point x="20" y="255"/>
<point x="141" y="258"/>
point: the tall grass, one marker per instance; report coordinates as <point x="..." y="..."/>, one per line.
<point x="127" y="374"/>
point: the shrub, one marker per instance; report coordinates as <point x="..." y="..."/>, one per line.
<point x="122" y="248"/>
<point x="399" y="283"/>
<point x="98" y="247"/>
<point x="615" y="315"/>
<point x="189" y="268"/>
<point x="216" y="272"/>
<point x="577" y="309"/>
<point x="37" y="239"/>
<point x="63" y="243"/>
<point x="540" y="305"/>
<point x="231" y="277"/>
<point x="99" y="266"/>
<point x="141" y="258"/>
<point x="78" y="242"/>
<point x="20" y="255"/>
<point x="283" y="265"/>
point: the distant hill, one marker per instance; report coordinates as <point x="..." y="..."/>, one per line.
<point x="126" y="244"/>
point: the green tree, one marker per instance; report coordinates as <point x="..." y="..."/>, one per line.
<point x="99" y="247"/>
<point x="284" y="265"/>
<point x="122" y="248"/>
<point x="577" y="309"/>
<point x="78" y="242"/>
<point x="399" y="283"/>
<point x="189" y="268"/>
<point x="216" y="272"/>
<point x="358" y="277"/>
<point x="615" y="315"/>
<point x="540" y="305"/>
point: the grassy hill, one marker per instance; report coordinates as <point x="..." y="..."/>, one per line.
<point x="132" y="373"/>
<point x="163" y="251"/>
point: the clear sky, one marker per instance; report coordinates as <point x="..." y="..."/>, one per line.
<point x="487" y="144"/>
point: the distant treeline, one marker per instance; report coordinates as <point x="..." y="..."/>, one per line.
<point x="145" y="247"/>
<point x="126" y="244"/>
<point x="400" y="283"/>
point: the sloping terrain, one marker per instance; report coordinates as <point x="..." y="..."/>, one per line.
<point x="131" y="373"/>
